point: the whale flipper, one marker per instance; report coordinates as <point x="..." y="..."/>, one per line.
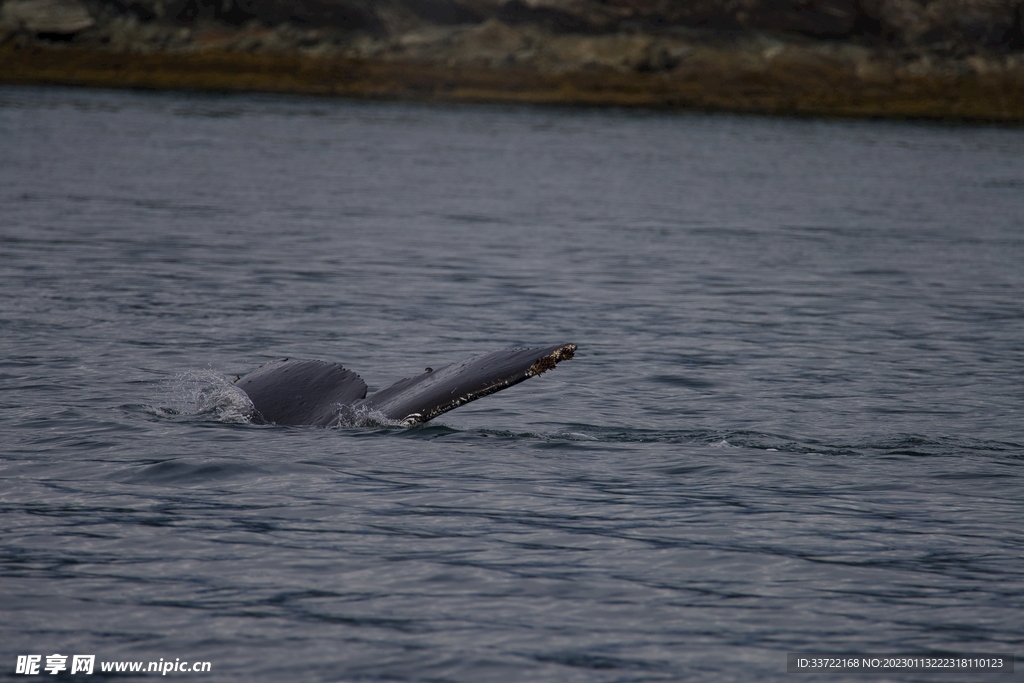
<point x="313" y="392"/>
<point x="301" y="392"/>
<point x="419" y="399"/>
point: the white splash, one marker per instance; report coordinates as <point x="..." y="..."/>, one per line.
<point x="348" y="416"/>
<point x="208" y="394"/>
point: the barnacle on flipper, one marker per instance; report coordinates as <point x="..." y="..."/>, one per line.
<point x="549" y="361"/>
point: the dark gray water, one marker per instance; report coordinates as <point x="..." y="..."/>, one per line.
<point x="795" y="421"/>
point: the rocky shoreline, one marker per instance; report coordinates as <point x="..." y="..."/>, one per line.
<point x="937" y="59"/>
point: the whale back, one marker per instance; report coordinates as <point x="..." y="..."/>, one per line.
<point x="301" y="392"/>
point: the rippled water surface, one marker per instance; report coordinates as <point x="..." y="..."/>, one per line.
<point x="795" y="421"/>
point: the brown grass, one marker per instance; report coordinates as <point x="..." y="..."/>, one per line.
<point x="809" y="88"/>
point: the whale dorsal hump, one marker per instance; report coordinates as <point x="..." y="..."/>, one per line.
<point x="301" y="392"/>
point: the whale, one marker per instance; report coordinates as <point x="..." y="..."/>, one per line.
<point x="295" y="392"/>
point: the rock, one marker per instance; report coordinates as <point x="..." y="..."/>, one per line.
<point x="494" y="42"/>
<point x="562" y="16"/>
<point x="143" y="10"/>
<point x="444" y="11"/>
<point x="344" y="14"/>
<point x="47" y="17"/>
<point x="718" y="15"/>
<point x="815" y="18"/>
<point x="949" y="25"/>
<point x="962" y="23"/>
<point x="660" y="57"/>
<point x="984" y="23"/>
<point x="516" y="31"/>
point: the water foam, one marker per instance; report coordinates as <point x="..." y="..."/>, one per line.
<point x="207" y="394"/>
<point x="349" y="416"/>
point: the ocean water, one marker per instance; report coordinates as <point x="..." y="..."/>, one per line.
<point x="795" y="422"/>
